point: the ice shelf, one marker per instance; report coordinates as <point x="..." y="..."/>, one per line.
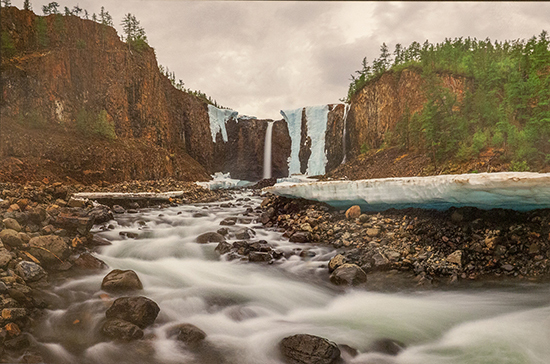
<point x="218" y="118"/>
<point x="520" y="191"/>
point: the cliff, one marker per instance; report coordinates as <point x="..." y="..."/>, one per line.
<point x="62" y="73"/>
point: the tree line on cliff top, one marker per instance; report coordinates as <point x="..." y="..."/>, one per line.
<point x="505" y="104"/>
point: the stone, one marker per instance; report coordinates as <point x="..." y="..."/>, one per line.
<point x="11" y="238"/>
<point x="117" y="209"/>
<point x="13" y="314"/>
<point x="30" y="271"/>
<point x="121" y="280"/>
<point x="101" y="214"/>
<point x="117" y="329"/>
<point x="259" y="257"/>
<point x="76" y="202"/>
<point x="49" y="249"/>
<point x="244" y="234"/>
<point x="5" y="258"/>
<point x="455" y="258"/>
<point x="210" y="237"/>
<point x="88" y="261"/>
<point x="228" y="221"/>
<point x="12" y="224"/>
<point x="300" y="237"/>
<point x="363" y="218"/>
<point x="37" y="215"/>
<point x="380" y="261"/>
<point x="188" y="334"/>
<point x="223" y="248"/>
<point x="508" y="267"/>
<point x="140" y="311"/>
<point x="18" y="343"/>
<point x="373" y="232"/>
<point x="309" y="349"/>
<point x="387" y="346"/>
<point x="353" y="212"/>
<point x="99" y="241"/>
<point x="348" y="275"/>
<point x="335" y="262"/>
<point x="74" y="223"/>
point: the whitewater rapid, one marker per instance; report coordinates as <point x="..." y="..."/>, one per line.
<point x="247" y="308"/>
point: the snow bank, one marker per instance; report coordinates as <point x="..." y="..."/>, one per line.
<point x="511" y="190"/>
<point x="218" y="118"/>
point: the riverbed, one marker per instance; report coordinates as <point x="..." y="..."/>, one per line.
<point x="247" y="308"/>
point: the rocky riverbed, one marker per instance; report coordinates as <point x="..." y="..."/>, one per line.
<point x="45" y="236"/>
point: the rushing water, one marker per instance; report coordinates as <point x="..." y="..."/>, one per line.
<point x="247" y="308"/>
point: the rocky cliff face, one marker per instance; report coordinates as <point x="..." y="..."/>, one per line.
<point x="63" y="67"/>
<point x="381" y="104"/>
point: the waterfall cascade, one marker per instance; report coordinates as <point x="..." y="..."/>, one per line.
<point x="218" y="118"/>
<point x="316" y="128"/>
<point x="344" y="134"/>
<point x="267" y="150"/>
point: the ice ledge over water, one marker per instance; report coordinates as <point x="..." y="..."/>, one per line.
<point x="218" y="118"/>
<point x="520" y="191"/>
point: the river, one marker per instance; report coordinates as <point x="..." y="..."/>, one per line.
<point x="247" y="308"/>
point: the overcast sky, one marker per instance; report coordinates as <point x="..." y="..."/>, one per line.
<point x="261" y="57"/>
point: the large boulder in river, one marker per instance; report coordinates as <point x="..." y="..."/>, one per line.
<point x="188" y="333"/>
<point x="117" y="329"/>
<point x="348" y="274"/>
<point x="309" y="349"/>
<point x="210" y="237"/>
<point x="140" y="311"/>
<point x="49" y="249"/>
<point x="119" y="280"/>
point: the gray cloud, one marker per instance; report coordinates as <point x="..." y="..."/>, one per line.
<point x="260" y="57"/>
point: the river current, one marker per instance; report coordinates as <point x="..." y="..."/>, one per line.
<point x="247" y="308"/>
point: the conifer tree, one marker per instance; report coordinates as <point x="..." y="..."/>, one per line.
<point x="6" y="3"/>
<point x="27" y="5"/>
<point x="51" y="8"/>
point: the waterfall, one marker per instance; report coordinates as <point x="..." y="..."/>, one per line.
<point x="267" y="150"/>
<point x="293" y="119"/>
<point x="218" y="118"/>
<point x="346" y="110"/>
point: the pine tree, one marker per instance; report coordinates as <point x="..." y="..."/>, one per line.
<point x="106" y="18"/>
<point x="6" y="3"/>
<point x="27" y="5"/>
<point x="51" y="8"/>
<point x="135" y="34"/>
<point x="77" y="10"/>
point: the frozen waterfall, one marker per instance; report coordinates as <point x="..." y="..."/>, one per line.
<point x="344" y="133"/>
<point x="218" y="118"/>
<point x="294" y="121"/>
<point x="316" y="128"/>
<point x="267" y="150"/>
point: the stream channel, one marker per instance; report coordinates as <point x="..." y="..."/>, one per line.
<point x="247" y="308"/>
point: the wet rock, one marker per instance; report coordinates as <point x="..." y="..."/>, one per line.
<point x="11" y="238"/>
<point x="228" y="221"/>
<point x="74" y="223"/>
<point x="373" y="232"/>
<point x="117" y="329"/>
<point x="140" y="311"/>
<point x="259" y="257"/>
<point x="99" y="241"/>
<point x="117" y="209"/>
<point x="387" y="346"/>
<point x="309" y="349"/>
<point x="188" y="333"/>
<point x="335" y="262"/>
<point x="223" y="231"/>
<point x="210" y="237"/>
<point x="49" y="249"/>
<point x="121" y="280"/>
<point x="353" y="212"/>
<point x="88" y="261"/>
<point x="300" y="237"/>
<point x="223" y="248"/>
<point x="13" y="314"/>
<point x="101" y="214"/>
<point x="267" y="215"/>
<point x="380" y="261"/>
<point x="30" y="271"/>
<point x="244" y="234"/>
<point x="129" y="234"/>
<point x="12" y="224"/>
<point x="348" y="274"/>
<point x="18" y="343"/>
<point x="76" y="202"/>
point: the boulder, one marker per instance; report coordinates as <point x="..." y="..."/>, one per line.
<point x="5" y="257"/>
<point x="121" y="280"/>
<point x="140" y="311"/>
<point x="309" y="349"/>
<point x="335" y="262"/>
<point x="188" y="333"/>
<point x="30" y="271"/>
<point x="49" y="249"/>
<point x="117" y="209"/>
<point x="117" y="329"/>
<point x="455" y="257"/>
<point x="74" y="223"/>
<point x="353" y="212"/>
<point x="223" y="248"/>
<point x="348" y="274"/>
<point x="12" y="224"/>
<point x="300" y="237"/>
<point x="88" y="261"/>
<point x="244" y="234"/>
<point x="210" y="237"/>
<point x="228" y="221"/>
<point x="101" y="214"/>
<point x="259" y="257"/>
<point x="11" y="238"/>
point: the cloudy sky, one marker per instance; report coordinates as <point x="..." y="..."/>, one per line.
<point x="259" y="57"/>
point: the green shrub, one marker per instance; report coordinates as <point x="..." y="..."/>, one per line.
<point x="32" y="119"/>
<point x="520" y="166"/>
<point x="103" y="127"/>
<point x="88" y="123"/>
<point x="41" y="32"/>
<point x="8" y="48"/>
<point x="81" y="44"/>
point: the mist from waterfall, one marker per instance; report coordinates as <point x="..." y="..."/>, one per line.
<point x="267" y="150"/>
<point x="344" y="134"/>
